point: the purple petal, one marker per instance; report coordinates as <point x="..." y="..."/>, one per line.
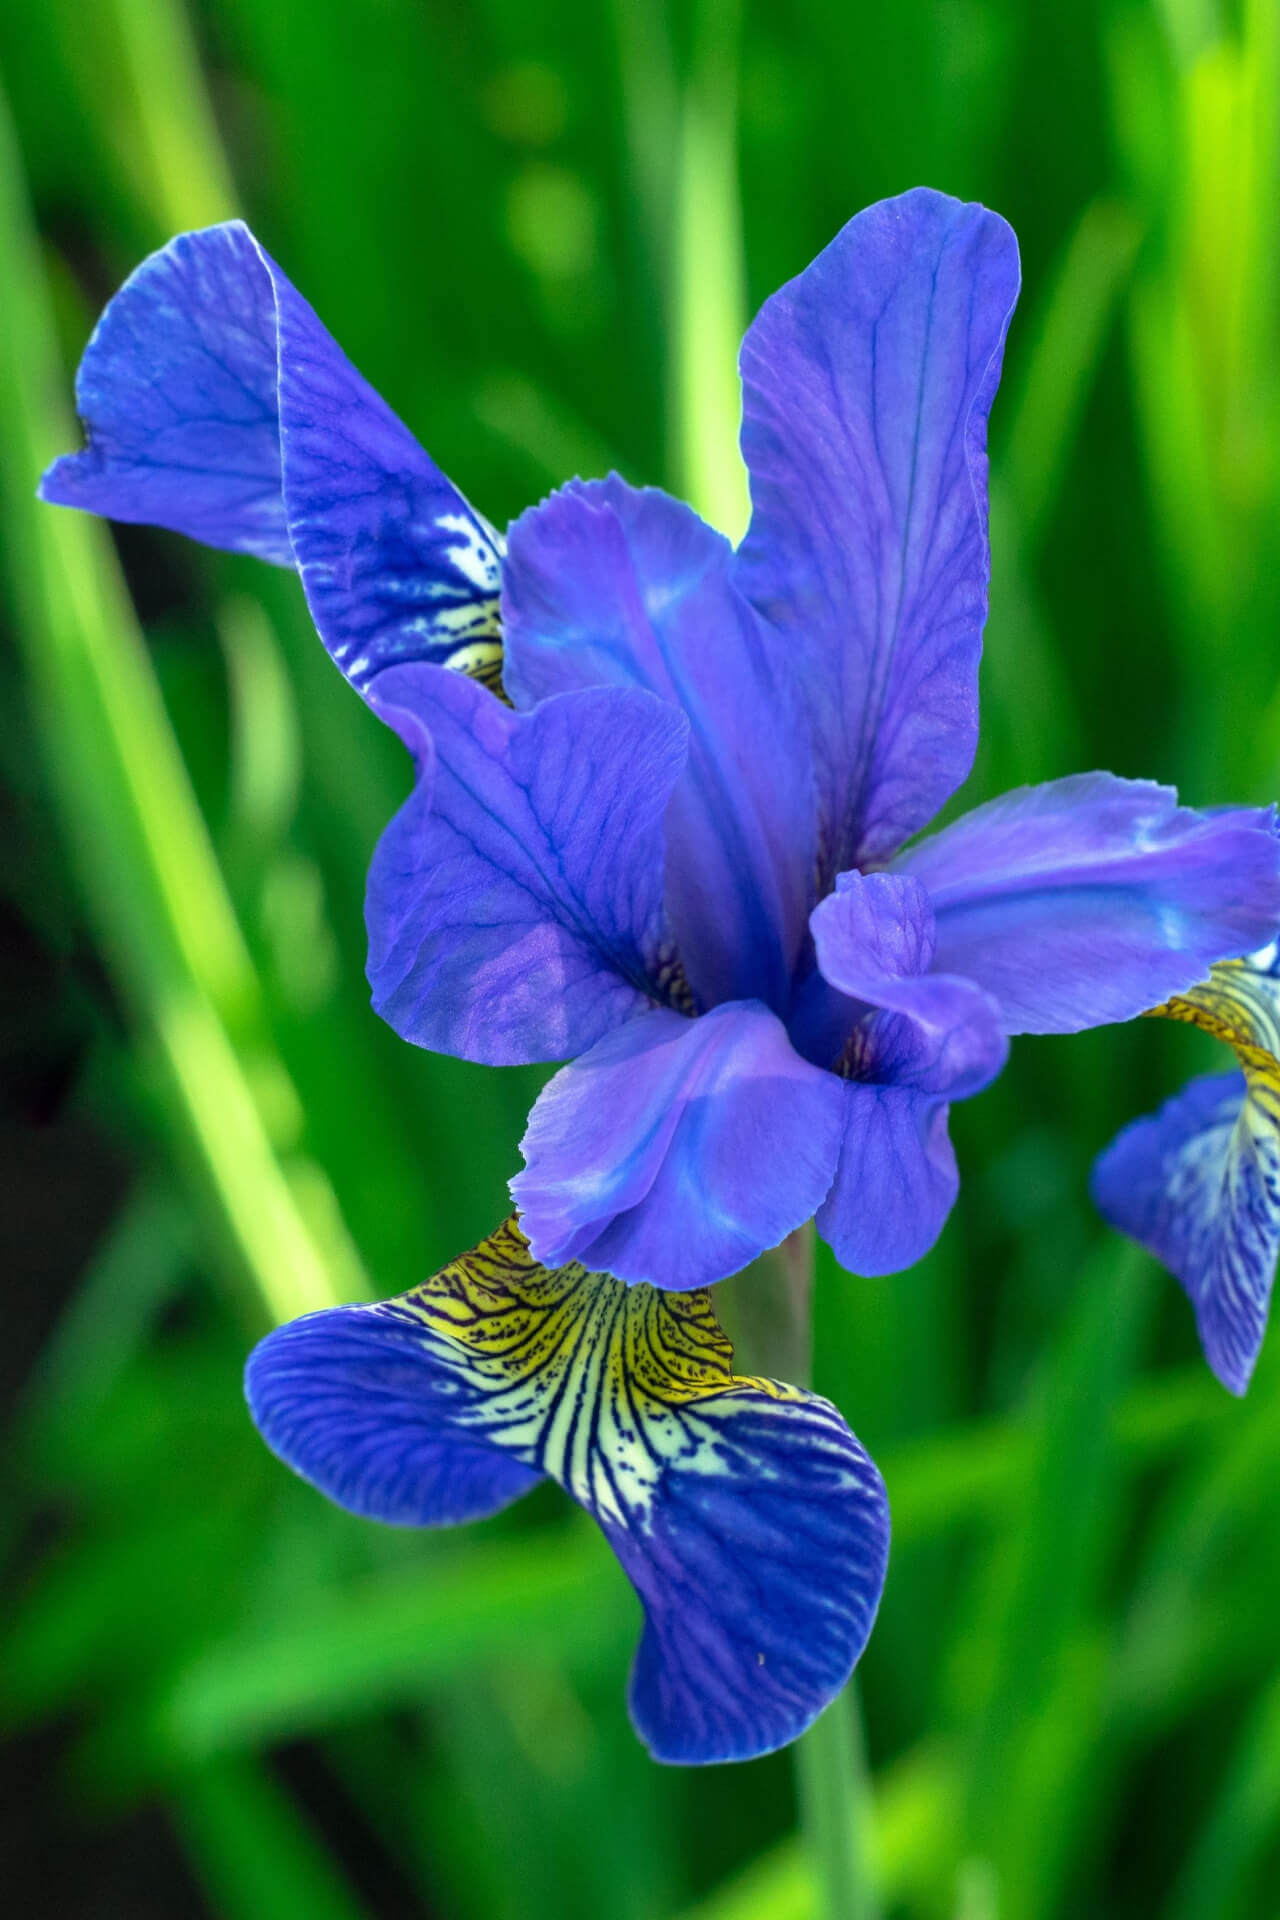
<point x="177" y="393"/>
<point x="867" y="384"/>
<point x="515" y="902"/>
<point x="1198" y="1185"/>
<point x="896" y="1180"/>
<point x="372" y="1412"/>
<point x="1089" y="900"/>
<point x="760" y="1568"/>
<point x="875" y="939"/>
<point x="202" y="364"/>
<point x="606" y="585"/>
<point x="678" y="1150"/>
<point x="1199" y="1182"/>
<point x="396" y="565"/>
<point x="751" y="1523"/>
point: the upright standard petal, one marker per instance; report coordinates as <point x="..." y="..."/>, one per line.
<point x="515" y="902"/>
<point x="1090" y="899"/>
<point x="917" y="1040"/>
<point x="750" y="1522"/>
<point x="867" y="382"/>
<point x="216" y="404"/>
<point x="607" y="585"/>
<point x="677" y="1150"/>
<point x="1198" y="1183"/>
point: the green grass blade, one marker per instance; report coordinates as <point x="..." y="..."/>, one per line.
<point x="166" y="139"/>
<point x="708" y="304"/>
<point x="1059" y="351"/>
<point x="1029" y="1655"/>
<point x="392" y="1639"/>
<point x="252" y="1849"/>
<point x="146" y="861"/>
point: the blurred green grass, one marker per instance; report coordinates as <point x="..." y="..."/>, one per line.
<point x="534" y="228"/>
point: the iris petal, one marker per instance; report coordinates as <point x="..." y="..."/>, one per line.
<point x="204" y="365"/>
<point x="609" y="585"/>
<point x="1088" y="900"/>
<point x="677" y="1150"/>
<point x="177" y="394"/>
<point x="1198" y="1183"/>
<point x="919" y="1040"/>
<point x="875" y="938"/>
<point x="896" y="1179"/>
<point x="515" y="901"/>
<point x="750" y="1522"/>
<point x="867" y="382"/>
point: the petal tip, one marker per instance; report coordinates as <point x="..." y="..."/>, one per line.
<point x="56" y="486"/>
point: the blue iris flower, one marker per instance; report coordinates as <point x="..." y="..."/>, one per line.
<point x="1198" y="1183"/>
<point x="659" y="831"/>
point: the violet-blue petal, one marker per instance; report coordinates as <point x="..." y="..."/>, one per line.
<point x="867" y="382"/>
<point x="201" y="368"/>
<point x="514" y="904"/>
<point x="748" y="1518"/>
<point x="360" y="1404"/>
<point x="609" y="585"/>
<point x="1090" y="899"/>
<point x="939" y="1033"/>
<point x="896" y="1179"/>
<point x="1198" y="1185"/>
<point x="397" y="566"/>
<point x="915" y="1040"/>
<point x="760" y="1569"/>
<point x="677" y="1150"/>
<point x="177" y="394"/>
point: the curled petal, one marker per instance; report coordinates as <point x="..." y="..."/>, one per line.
<point x="867" y="382"/>
<point x="1090" y="899"/>
<point x="606" y="584"/>
<point x="177" y="394"/>
<point x="875" y="938"/>
<point x="677" y="1150"/>
<point x="1198" y="1183"/>
<point x="896" y="1179"/>
<point x="216" y="404"/>
<point x="515" y="902"/>
<point x="873" y="930"/>
<point x="750" y="1522"/>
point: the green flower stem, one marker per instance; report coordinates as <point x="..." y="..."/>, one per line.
<point x="834" y="1793"/>
<point x="767" y="1313"/>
